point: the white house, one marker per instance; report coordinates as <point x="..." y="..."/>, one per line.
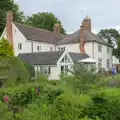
<point x="27" y="39"/>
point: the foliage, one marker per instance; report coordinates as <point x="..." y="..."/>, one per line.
<point x="5" y="48"/>
<point x="14" y="69"/>
<point x="44" y="20"/>
<point x="110" y="35"/>
<point x="30" y="70"/>
<point x="43" y="99"/>
<point x="116" y="51"/>
<point x="82" y="79"/>
<point x="6" y="5"/>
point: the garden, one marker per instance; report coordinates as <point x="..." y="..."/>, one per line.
<point x="83" y="95"/>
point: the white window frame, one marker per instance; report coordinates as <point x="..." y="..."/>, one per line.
<point x="19" y="46"/>
<point x="38" y="48"/>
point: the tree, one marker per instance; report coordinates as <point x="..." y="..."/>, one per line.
<point x="116" y="51"/>
<point x="6" y="5"/>
<point x="44" y="20"/>
<point x="110" y="35"/>
<point x="5" y="48"/>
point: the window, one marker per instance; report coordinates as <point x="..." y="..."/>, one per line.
<point x="108" y="63"/>
<point x="66" y="59"/>
<point x="19" y="46"/>
<point x="51" y="49"/>
<point x="108" y="49"/>
<point x="38" y="48"/>
<point x="64" y="70"/>
<point x="49" y="70"/>
<point x="61" y="48"/>
<point x="45" y="70"/>
<point x="99" y="48"/>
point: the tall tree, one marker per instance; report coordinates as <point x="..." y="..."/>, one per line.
<point x="110" y="35"/>
<point x="6" y="5"/>
<point x="44" y="20"/>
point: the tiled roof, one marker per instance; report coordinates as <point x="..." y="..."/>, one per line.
<point x="78" y="56"/>
<point x="36" y="34"/>
<point x="75" y="38"/>
<point x="49" y="58"/>
<point x="42" y="35"/>
<point x="41" y="58"/>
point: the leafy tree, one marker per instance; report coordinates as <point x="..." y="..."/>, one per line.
<point x="6" y="5"/>
<point x="116" y="51"/>
<point x="110" y="35"/>
<point x="5" y="48"/>
<point x="44" y="20"/>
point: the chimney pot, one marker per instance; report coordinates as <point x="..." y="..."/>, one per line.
<point x="87" y="23"/>
<point x="56" y="29"/>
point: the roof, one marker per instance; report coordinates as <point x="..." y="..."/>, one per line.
<point x="49" y="58"/>
<point x="36" y="34"/>
<point x="42" y="35"/>
<point x="41" y="58"/>
<point x="75" y="38"/>
<point x="78" y="56"/>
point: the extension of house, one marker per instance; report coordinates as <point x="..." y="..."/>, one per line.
<point x="52" y="53"/>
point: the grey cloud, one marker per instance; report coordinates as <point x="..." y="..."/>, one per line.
<point x="104" y="13"/>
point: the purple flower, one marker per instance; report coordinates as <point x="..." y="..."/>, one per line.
<point x="37" y="90"/>
<point x="6" y="98"/>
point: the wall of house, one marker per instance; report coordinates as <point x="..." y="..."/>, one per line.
<point x="44" y="46"/>
<point x="91" y="48"/>
<point x="104" y="55"/>
<point x="55" y="71"/>
<point x="70" y="47"/>
<point x="18" y="37"/>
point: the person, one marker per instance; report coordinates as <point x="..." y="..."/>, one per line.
<point x="114" y="71"/>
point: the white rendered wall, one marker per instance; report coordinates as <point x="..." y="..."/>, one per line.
<point x="55" y="72"/>
<point x="18" y="37"/>
<point x="104" y="55"/>
<point x="70" y="47"/>
<point x="44" y="46"/>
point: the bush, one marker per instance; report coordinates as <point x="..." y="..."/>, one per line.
<point x="14" y="69"/>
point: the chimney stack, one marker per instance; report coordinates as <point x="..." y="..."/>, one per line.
<point x="9" y="33"/>
<point x="87" y="23"/>
<point x="82" y="39"/>
<point x="56" y="29"/>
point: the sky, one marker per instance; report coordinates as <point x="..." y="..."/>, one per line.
<point x="103" y="13"/>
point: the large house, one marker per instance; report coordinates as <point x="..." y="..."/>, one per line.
<point x="52" y="52"/>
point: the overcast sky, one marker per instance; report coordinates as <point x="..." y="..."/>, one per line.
<point x="104" y="13"/>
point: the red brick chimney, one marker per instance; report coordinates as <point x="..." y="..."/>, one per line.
<point x="87" y="23"/>
<point x="56" y="29"/>
<point x="82" y="39"/>
<point x="9" y="32"/>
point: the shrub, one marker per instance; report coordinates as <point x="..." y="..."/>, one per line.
<point x="14" y="69"/>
